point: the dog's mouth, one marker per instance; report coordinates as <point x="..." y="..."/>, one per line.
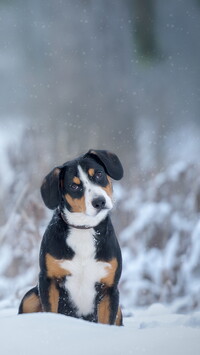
<point x="102" y="209"/>
<point x="85" y="219"/>
<point x="97" y="212"/>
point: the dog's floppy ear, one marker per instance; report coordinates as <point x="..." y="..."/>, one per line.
<point x="50" y="189"/>
<point x="110" y="161"/>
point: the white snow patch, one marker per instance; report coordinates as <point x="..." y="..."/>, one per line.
<point x="154" y="331"/>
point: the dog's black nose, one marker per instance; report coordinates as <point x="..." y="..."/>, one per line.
<point x="99" y="203"/>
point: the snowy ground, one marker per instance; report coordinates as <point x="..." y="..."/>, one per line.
<point x="153" y="331"/>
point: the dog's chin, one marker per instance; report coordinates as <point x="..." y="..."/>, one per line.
<point x="80" y="219"/>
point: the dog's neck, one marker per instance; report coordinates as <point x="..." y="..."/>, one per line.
<point x="72" y="225"/>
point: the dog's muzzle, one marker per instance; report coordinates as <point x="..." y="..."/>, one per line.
<point x="99" y="203"/>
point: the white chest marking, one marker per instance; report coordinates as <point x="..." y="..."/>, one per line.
<point x="84" y="269"/>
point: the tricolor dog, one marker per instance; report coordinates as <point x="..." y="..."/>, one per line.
<point x="80" y="258"/>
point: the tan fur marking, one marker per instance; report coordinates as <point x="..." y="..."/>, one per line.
<point x="109" y="279"/>
<point x="76" y="180"/>
<point x="91" y="172"/>
<point x="108" y="189"/>
<point x="77" y="204"/>
<point x="104" y="311"/>
<point x="53" y="298"/>
<point x="31" y="304"/>
<point x="119" y="317"/>
<point x="54" y="270"/>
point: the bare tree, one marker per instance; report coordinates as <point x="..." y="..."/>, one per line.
<point x="144" y="26"/>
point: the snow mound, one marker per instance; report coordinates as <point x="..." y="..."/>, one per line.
<point x="151" y="332"/>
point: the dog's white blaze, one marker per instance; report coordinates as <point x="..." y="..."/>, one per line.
<point x="85" y="270"/>
<point x="90" y="218"/>
<point x="92" y="191"/>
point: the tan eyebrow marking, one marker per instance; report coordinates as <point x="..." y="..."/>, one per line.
<point x="76" y="180"/>
<point x="91" y="172"/>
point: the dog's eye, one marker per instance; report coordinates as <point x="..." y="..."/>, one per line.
<point x="98" y="175"/>
<point x="74" y="187"/>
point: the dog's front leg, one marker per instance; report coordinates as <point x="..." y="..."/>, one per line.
<point x="49" y="293"/>
<point x="108" y="307"/>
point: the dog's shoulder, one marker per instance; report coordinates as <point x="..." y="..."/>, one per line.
<point x="54" y="239"/>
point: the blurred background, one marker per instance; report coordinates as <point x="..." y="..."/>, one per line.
<point x="121" y="75"/>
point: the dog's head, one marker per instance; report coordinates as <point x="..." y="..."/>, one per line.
<point x="83" y="187"/>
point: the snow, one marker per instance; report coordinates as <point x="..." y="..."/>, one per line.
<point x="152" y="331"/>
<point x="160" y="240"/>
<point x="14" y="136"/>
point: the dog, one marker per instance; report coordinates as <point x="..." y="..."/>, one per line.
<point x="80" y="258"/>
